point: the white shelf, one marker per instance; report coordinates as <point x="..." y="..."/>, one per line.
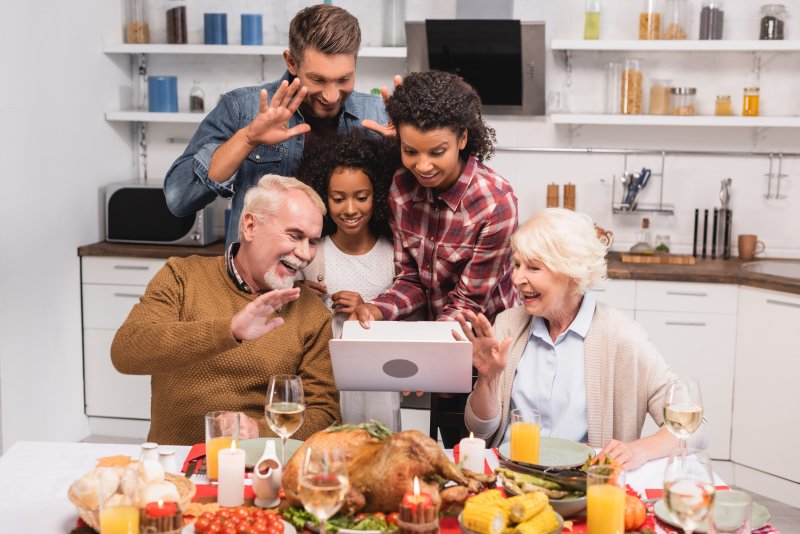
<point x="146" y="116"/>
<point x="675" y="46"/>
<point x="236" y="50"/>
<point x="671" y="120"/>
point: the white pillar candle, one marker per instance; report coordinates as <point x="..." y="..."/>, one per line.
<point x="471" y="453"/>
<point x="230" y="491"/>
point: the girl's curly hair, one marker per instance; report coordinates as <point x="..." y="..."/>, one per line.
<point x="436" y="99"/>
<point x="377" y="158"/>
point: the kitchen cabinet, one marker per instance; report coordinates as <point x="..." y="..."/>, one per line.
<point x="693" y="325"/>
<point x="109" y="289"/>
<point x="619" y="294"/>
<point x="765" y="420"/>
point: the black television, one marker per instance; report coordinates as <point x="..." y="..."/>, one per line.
<point x="503" y="59"/>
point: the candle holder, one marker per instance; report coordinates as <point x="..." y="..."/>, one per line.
<point x="418" y="513"/>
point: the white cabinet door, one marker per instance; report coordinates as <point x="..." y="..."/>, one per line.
<point x="686" y="297"/>
<point x="108" y="392"/>
<point x="700" y="345"/>
<point x="120" y="271"/>
<point x="619" y="294"/>
<point x="766" y="421"/>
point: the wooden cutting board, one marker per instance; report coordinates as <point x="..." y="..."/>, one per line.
<point x="674" y="259"/>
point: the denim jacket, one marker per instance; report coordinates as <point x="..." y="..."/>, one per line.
<point x="187" y="186"/>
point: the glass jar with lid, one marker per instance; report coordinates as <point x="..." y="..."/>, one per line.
<point x="197" y="98"/>
<point x="650" y="20"/>
<point x="631" y="96"/>
<point x="660" y="98"/>
<point x="712" y="18"/>
<point x="722" y="106"/>
<point x="750" y="103"/>
<point x="676" y="20"/>
<point x="591" y="20"/>
<point x="683" y="100"/>
<point x="176" y="22"/>
<point x="613" y="87"/>
<point x="137" y="29"/>
<point x="773" y="17"/>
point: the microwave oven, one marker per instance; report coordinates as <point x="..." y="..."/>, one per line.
<point x="138" y="213"/>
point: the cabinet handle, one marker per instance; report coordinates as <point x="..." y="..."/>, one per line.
<point x="782" y="303"/>
<point x="131" y="267"/>
<point x="684" y="323"/>
<point x="688" y="293"/>
<point x="128" y="295"/>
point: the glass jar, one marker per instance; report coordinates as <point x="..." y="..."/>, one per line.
<point x="660" y="97"/>
<point x="176" y="22"/>
<point x="683" y="100"/>
<point x="650" y="21"/>
<point x="394" y="19"/>
<point x="722" y="106"/>
<point x="591" y="20"/>
<point x="676" y="20"/>
<point x="137" y="29"/>
<point x="613" y="87"/>
<point x="750" y="104"/>
<point x="711" y="20"/>
<point x="773" y="17"/>
<point x="197" y="98"/>
<point x="631" y="89"/>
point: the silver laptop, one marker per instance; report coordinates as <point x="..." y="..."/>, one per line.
<point x="402" y="355"/>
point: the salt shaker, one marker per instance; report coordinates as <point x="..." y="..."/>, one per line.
<point x="149" y="452"/>
<point x="166" y="457"/>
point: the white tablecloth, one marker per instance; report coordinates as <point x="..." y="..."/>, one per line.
<point x="35" y="476"/>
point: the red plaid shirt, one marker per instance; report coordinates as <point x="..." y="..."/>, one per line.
<point x="452" y="250"/>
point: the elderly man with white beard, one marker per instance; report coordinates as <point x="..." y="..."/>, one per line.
<point x="212" y="330"/>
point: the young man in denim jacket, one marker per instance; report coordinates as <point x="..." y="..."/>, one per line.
<point x="261" y="130"/>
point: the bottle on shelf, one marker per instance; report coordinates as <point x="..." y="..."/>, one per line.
<point x="137" y="29"/>
<point x="644" y="239"/>
<point x="772" y="22"/>
<point x="591" y="20"/>
<point x="751" y="98"/>
<point x="197" y="98"/>
<point x="712" y="18"/>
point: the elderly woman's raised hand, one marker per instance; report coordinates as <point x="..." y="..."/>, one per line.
<point x="488" y="354"/>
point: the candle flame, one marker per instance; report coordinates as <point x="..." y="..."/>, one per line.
<point x="233" y="445"/>
<point x="471" y="435"/>
<point x="160" y="503"/>
<point x="416" y="487"/>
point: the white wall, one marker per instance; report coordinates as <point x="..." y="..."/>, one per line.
<point x="56" y="151"/>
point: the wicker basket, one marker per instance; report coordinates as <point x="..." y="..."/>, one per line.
<point x="91" y="517"/>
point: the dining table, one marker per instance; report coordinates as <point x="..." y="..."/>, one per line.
<point x="35" y="477"/>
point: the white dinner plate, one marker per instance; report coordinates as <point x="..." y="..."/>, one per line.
<point x="288" y="528"/>
<point x="759" y="518"/>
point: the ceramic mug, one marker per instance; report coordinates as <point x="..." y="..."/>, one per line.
<point x="606" y="237"/>
<point x="749" y="246"/>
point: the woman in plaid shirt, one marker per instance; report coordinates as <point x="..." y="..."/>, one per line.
<point x="452" y="216"/>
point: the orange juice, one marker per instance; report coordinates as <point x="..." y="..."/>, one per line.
<point x="212" y="455"/>
<point x="525" y="442"/>
<point x="119" y="520"/>
<point x="605" y="509"/>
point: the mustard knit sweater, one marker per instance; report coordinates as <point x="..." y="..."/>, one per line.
<point x="180" y="333"/>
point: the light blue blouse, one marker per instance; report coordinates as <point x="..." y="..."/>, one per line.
<point x="550" y="376"/>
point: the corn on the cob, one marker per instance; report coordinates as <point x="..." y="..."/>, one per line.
<point x="544" y="522"/>
<point x="487" y="497"/>
<point x="523" y="507"/>
<point x="484" y="518"/>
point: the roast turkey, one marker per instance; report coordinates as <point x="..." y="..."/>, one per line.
<point x="382" y="467"/>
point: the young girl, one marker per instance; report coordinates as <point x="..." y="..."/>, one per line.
<point x="355" y="259"/>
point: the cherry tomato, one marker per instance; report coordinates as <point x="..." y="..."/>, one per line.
<point x="258" y="514"/>
<point x="214" y="527"/>
<point x="379" y="515"/>
<point x="208" y="516"/>
<point x="260" y="528"/>
<point x="230" y="529"/>
<point x="393" y="518"/>
<point x="275" y="529"/>
<point x="273" y="519"/>
<point x="244" y="529"/>
<point x="201" y="525"/>
<point x="241" y="511"/>
<point x="223" y="514"/>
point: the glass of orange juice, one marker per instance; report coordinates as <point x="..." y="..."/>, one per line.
<point x="526" y="430"/>
<point x="222" y="428"/>
<point x="605" y="500"/>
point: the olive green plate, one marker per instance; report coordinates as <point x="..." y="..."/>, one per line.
<point x="759" y="518"/>
<point x="254" y="448"/>
<point x="556" y="452"/>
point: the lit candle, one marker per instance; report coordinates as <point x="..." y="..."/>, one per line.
<point x="160" y="509"/>
<point x="471" y="452"/>
<point x="230" y="491"/>
<point x="417" y="509"/>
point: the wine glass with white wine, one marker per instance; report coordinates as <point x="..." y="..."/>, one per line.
<point x="683" y="408"/>
<point x="323" y="483"/>
<point x="689" y="488"/>
<point x="284" y="407"/>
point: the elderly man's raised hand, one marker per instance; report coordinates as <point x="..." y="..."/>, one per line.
<point x="489" y="355"/>
<point x="254" y="319"/>
<point x="388" y="130"/>
<point x="271" y="125"/>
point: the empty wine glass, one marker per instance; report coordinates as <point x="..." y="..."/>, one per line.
<point x="284" y="407"/>
<point x="683" y="408"/>
<point x="323" y="483"/>
<point x="689" y="488"/>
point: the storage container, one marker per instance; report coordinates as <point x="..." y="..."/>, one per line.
<point x="722" y="107"/>
<point x="676" y="20"/>
<point x="711" y="20"/>
<point x="176" y="22"/>
<point x="613" y="87"/>
<point x="750" y="104"/>
<point x="631" y="88"/>
<point x="660" y="98"/>
<point x="650" y="20"/>
<point x="683" y="100"/>
<point x="137" y="29"/>
<point x="197" y="98"/>
<point x="772" y="25"/>
<point x="591" y="20"/>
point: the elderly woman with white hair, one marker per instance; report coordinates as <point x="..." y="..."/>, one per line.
<point x="591" y="372"/>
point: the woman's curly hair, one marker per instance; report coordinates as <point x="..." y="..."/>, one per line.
<point x="377" y="158"/>
<point x="436" y="99"/>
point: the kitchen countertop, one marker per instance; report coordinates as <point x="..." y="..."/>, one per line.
<point x="705" y="270"/>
